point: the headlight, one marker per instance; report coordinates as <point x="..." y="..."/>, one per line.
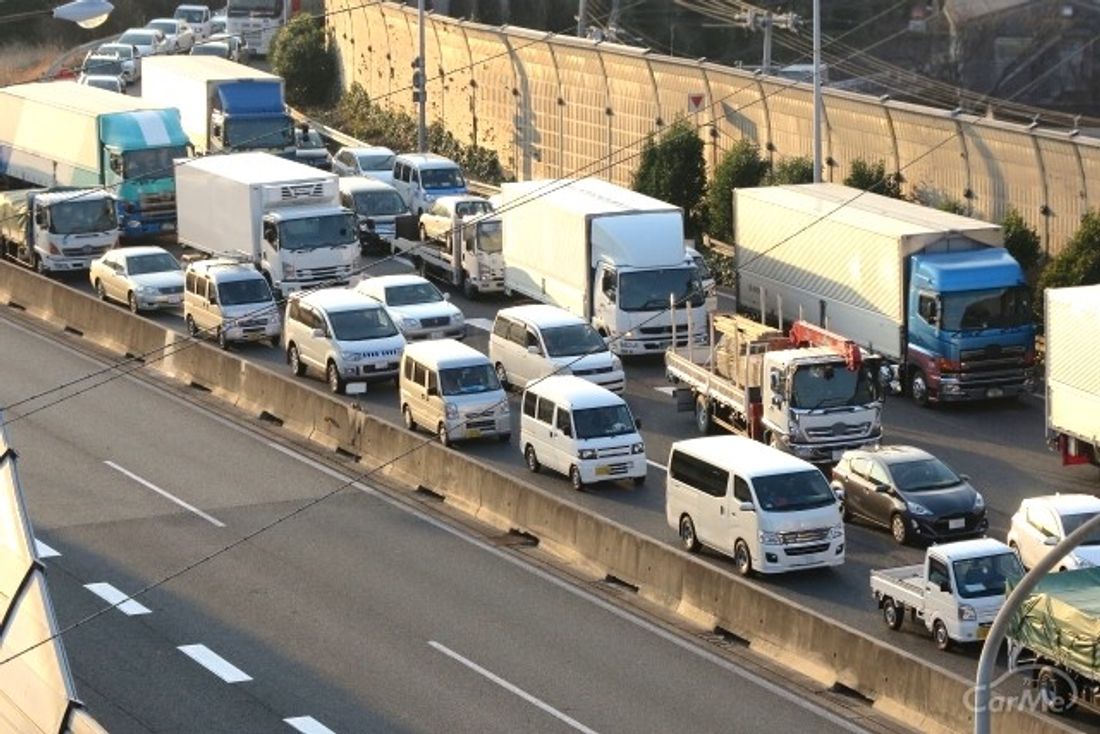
<point x="458" y="318"/>
<point x="917" y="509"/>
<point x="796" y="430"/>
<point x="147" y="290"/>
<point x="979" y="501"/>
<point x="586" y="454"/>
<point x="503" y="408"/>
<point x="410" y="323"/>
<point x="351" y="356"/>
<point x="967" y="613"/>
<point x="616" y="363"/>
<point x="452" y="411"/>
<point x="836" y="531"/>
<point x="289" y="271"/>
<point x="638" y="448"/>
<point x="767" y="538"/>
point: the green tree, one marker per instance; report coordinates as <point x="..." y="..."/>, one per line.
<point x="1079" y="262"/>
<point x="304" y="56"/>
<point x="740" y="167"/>
<point x="1022" y="241"/>
<point x="672" y="169"/>
<point x="873" y="177"/>
<point x="790" y="171"/>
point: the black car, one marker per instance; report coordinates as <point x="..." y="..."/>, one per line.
<point x="911" y="492"/>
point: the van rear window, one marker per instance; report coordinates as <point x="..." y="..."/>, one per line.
<point x="698" y="474"/>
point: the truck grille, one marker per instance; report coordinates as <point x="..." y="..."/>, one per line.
<point x="806" y="550"/>
<point x="157" y="203"/>
<point x="323" y="275"/>
<point x="618" y="469"/>
<point x="839" y="429"/>
<point x="84" y="250"/>
<point x="656" y="330"/>
<point x="992" y="365"/>
<point x="481" y="424"/>
<point x="435" y="322"/>
<point x="613" y="451"/>
<point x="804" y="536"/>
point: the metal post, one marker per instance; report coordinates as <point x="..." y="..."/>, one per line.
<point x="767" y="64"/>
<point x="582" y="12"/>
<point x="422" y="110"/>
<point x="817" y="91"/>
<point x="1000" y="624"/>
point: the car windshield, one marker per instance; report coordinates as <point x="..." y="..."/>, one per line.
<point x="999" y="308"/>
<point x="137" y="38"/>
<point x="375" y="161"/>
<point x="978" y="577"/>
<point x="240" y="292"/>
<point x="831" y="385"/>
<point x="572" y="340"/>
<point x="378" y="203"/>
<point x="442" y="178"/>
<point x="921" y="475"/>
<point x="210" y="49"/>
<point x="264" y="132"/>
<point x="793" y="491"/>
<point x="603" y="422"/>
<point x="412" y="294"/>
<point x="468" y="380"/>
<point x="109" y="65"/>
<point x="157" y="262"/>
<point x="1076" y="520"/>
<point x="311" y="233"/>
<point x="77" y="216"/>
<point x="650" y="289"/>
<point x="152" y="162"/>
<point x="309" y="140"/>
<point x="114" y="49"/>
<point x="361" y="324"/>
<point x="255" y="8"/>
<point x="701" y="267"/>
<point x="166" y="26"/>
<point x="472" y="208"/>
<point x="191" y="16"/>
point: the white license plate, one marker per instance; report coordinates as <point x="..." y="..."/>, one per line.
<point x="169" y="228"/>
<point x="957" y="524"/>
<point x="994" y="392"/>
<point x="378" y="365"/>
<point x="436" y="335"/>
<point x="355" y="388"/>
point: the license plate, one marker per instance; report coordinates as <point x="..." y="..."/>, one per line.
<point x="169" y="228"/>
<point x="473" y="433"/>
<point x="603" y="471"/>
<point x="958" y="524"/>
<point x="436" y="335"/>
<point x="355" y="388"/>
<point x="983" y="632"/>
<point x="994" y="392"/>
<point x="378" y="365"/>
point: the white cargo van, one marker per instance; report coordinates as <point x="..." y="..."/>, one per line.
<point x="529" y="342"/>
<point x="451" y="389"/>
<point x="230" y="301"/>
<point x="421" y="178"/>
<point x="769" y="510"/>
<point x="581" y="430"/>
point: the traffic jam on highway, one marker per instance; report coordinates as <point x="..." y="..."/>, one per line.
<point x="556" y="318"/>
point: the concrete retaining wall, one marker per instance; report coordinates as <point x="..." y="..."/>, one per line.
<point x="916" y="691"/>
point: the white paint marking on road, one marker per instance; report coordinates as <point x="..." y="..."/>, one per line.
<point x="404" y="261"/>
<point x="118" y="599"/>
<point x="512" y="688"/>
<point x="308" y="725"/>
<point x="43" y="550"/>
<point x="167" y="495"/>
<point x="215" y="663"/>
<point x="483" y="324"/>
<point x="666" y="389"/>
<point x="655" y="465"/>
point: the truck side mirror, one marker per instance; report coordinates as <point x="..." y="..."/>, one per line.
<point x="317" y="333"/>
<point x="446" y="296"/>
<point x="746" y="507"/>
<point x="882" y="488"/>
<point x="945" y="586"/>
<point x="638" y="424"/>
<point x="40" y="217"/>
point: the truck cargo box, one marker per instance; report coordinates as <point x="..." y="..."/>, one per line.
<point x="1072" y="369"/>
<point x="1060" y="620"/>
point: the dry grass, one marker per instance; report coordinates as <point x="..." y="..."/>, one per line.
<point x="23" y="63"/>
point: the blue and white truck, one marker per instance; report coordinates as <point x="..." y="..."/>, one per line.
<point x="67" y="134"/>
<point x="225" y="107"/>
<point x="935" y="293"/>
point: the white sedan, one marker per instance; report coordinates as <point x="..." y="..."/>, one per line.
<point x="148" y="41"/>
<point x="180" y="36"/>
<point x="1043" y="522"/>
<point x="416" y="306"/>
<point x="144" y="278"/>
<point x="447" y="211"/>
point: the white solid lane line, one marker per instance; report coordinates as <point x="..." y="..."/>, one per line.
<point x="482" y="324"/>
<point x="166" y="495"/>
<point x="43" y="550"/>
<point x="215" y="663"/>
<point x="511" y="688"/>
<point x="118" y="599"/>
<point x="655" y="465"/>
<point x="308" y="725"/>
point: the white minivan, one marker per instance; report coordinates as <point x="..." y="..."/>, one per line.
<point x="529" y="342"/>
<point x="452" y="390"/>
<point x="580" y="430"/>
<point x="421" y="178"/>
<point x="770" y="511"/>
<point x="229" y="301"/>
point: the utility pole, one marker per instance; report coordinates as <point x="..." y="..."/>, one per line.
<point x="582" y="15"/>
<point x="756" y="21"/>
<point x="420" y="91"/>
<point x="817" y="91"/>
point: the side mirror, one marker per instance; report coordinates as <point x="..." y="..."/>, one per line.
<point x="774" y="381"/>
<point x="532" y="349"/>
<point x="317" y="333"/>
<point x="839" y="492"/>
<point x="446" y="296"/>
<point x="638" y="424"/>
<point x="777" y="399"/>
<point x="747" y="507"/>
<point x="40" y="217"/>
<point x="964" y="477"/>
<point x="1050" y="540"/>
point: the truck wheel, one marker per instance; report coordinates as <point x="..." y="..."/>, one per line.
<point x="406" y="414"/>
<point x="742" y="559"/>
<point x="423" y="234"/>
<point x="297" y="368"/>
<point x="918" y="388"/>
<point x="335" y="382"/>
<point x="223" y="341"/>
<point x="532" y="459"/>
<point x="39" y="266"/>
<point x="899" y="529"/>
<point x="444" y="436"/>
<point x="192" y="330"/>
<point x="469" y="289"/>
<point x="940" y="636"/>
<point x="688" y="539"/>
<point x="1054" y="690"/>
<point x="892" y="613"/>
<point x="702" y="415"/>
<point x="502" y="376"/>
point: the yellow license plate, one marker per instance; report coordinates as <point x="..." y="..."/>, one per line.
<point x="983" y="632"/>
<point x="473" y="433"/>
<point x="603" y="471"/>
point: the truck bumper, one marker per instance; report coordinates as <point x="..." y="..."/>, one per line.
<point x="66" y="264"/>
<point x="129" y="227"/>
<point x="629" y="345"/>
<point x="828" y="453"/>
<point x="951" y="390"/>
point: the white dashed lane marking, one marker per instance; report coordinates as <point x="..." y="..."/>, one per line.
<point x="43" y="550"/>
<point x="215" y="663"/>
<point x="308" y="725"/>
<point x="482" y="324"/>
<point x="121" y="600"/>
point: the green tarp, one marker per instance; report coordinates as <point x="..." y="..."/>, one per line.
<point x="1061" y="620"/>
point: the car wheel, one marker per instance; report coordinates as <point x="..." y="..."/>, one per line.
<point x="918" y="388"/>
<point x="407" y="416"/>
<point x="532" y="459"/>
<point x="504" y="437"/>
<point x="223" y="340"/>
<point x="100" y="290"/>
<point x="444" y="436"/>
<point x="131" y="299"/>
<point x="192" y="329"/>
<point x="575" y="478"/>
<point x="899" y="529"/>
<point x="297" y="368"/>
<point x="688" y="539"/>
<point x="335" y="382"/>
<point x="469" y="289"/>
<point x="742" y="559"/>
<point x="940" y="637"/>
<point x="1054" y="690"/>
<point x="892" y="613"/>
<point x="502" y="376"/>
<point x="274" y="341"/>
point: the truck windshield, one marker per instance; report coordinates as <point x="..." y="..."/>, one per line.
<point x="379" y="203"/>
<point x="468" y="380"/>
<point x="650" y="289"/>
<point x="78" y="217"/>
<point x="311" y="233"/>
<point x="922" y="475"/>
<point x="832" y="385"/>
<point x="442" y="178"/>
<point x="572" y="340"/>
<point x="240" y="292"/>
<point x="360" y="324"/>
<point x="793" y="491"/>
<point x="978" y="577"/>
<point x="603" y="422"/>
<point x="255" y="8"/>
<point x="151" y="163"/>
<point x="412" y="294"/>
<point x="191" y="15"/>
<point x="1074" y="521"/>
<point x="246" y="133"/>
<point x="490" y="237"/>
<point x="998" y="308"/>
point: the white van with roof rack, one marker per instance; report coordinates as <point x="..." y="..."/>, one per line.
<point x="228" y="300"/>
<point x="421" y="178"/>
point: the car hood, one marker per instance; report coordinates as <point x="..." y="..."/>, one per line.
<point x="426" y="310"/>
<point x="788" y="522"/>
<point x="165" y="279"/>
<point x="948" y="501"/>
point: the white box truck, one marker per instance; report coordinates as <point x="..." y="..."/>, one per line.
<point x="286" y="215"/>
<point x="935" y="293"/>
<point x="1073" y="373"/>
<point x="607" y="254"/>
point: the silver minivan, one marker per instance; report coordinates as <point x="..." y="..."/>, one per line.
<point x="229" y="301"/>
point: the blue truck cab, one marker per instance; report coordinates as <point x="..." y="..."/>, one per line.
<point x="970" y="328"/>
<point x="250" y="115"/>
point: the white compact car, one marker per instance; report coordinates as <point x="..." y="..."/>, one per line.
<point x="374" y="161"/>
<point x="1043" y="522"/>
<point x="442" y="217"/>
<point x="343" y="335"/>
<point x="196" y="16"/>
<point x="418" y="307"/>
<point x="178" y="34"/>
<point x="144" y="278"/>
<point x="148" y="41"/>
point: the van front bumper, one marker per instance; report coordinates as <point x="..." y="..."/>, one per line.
<point x="479" y="426"/>
<point x="784" y="558"/>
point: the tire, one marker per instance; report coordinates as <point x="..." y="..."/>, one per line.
<point x="639" y="481"/>
<point x="1054" y="690"/>
<point x="294" y="359"/>
<point x="100" y="291"/>
<point x="575" y="478"/>
<point x="688" y="539"/>
<point x="423" y="234"/>
<point x="192" y="330"/>
<point x="502" y="376"/>
<point x="332" y="376"/>
<point x="504" y="437"/>
<point x="469" y="289"/>
<point x="742" y="559"/>
<point x="223" y="341"/>
<point x="131" y="301"/>
<point x="407" y="416"/>
<point x="940" y="636"/>
<point x="39" y="266"/>
<point x="274" y="342"/>
<point x="531" y="459"/>
<point x="703" y="423"/>
<point x="918" y="388"/>
<point x="899" y="529"/>
<point x="444" y="436"/>
<point x="893" y="614"/>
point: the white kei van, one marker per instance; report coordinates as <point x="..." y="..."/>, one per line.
<point x="581" y="430"/>
<point x="230" y="301"/>
<point x="529" y="342"/>
<point x="421" y="178"/>
<point x="771" y="511"/>
<point x="451" y="389"/>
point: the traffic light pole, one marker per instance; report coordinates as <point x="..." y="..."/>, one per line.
<point x="421" y="88"/>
